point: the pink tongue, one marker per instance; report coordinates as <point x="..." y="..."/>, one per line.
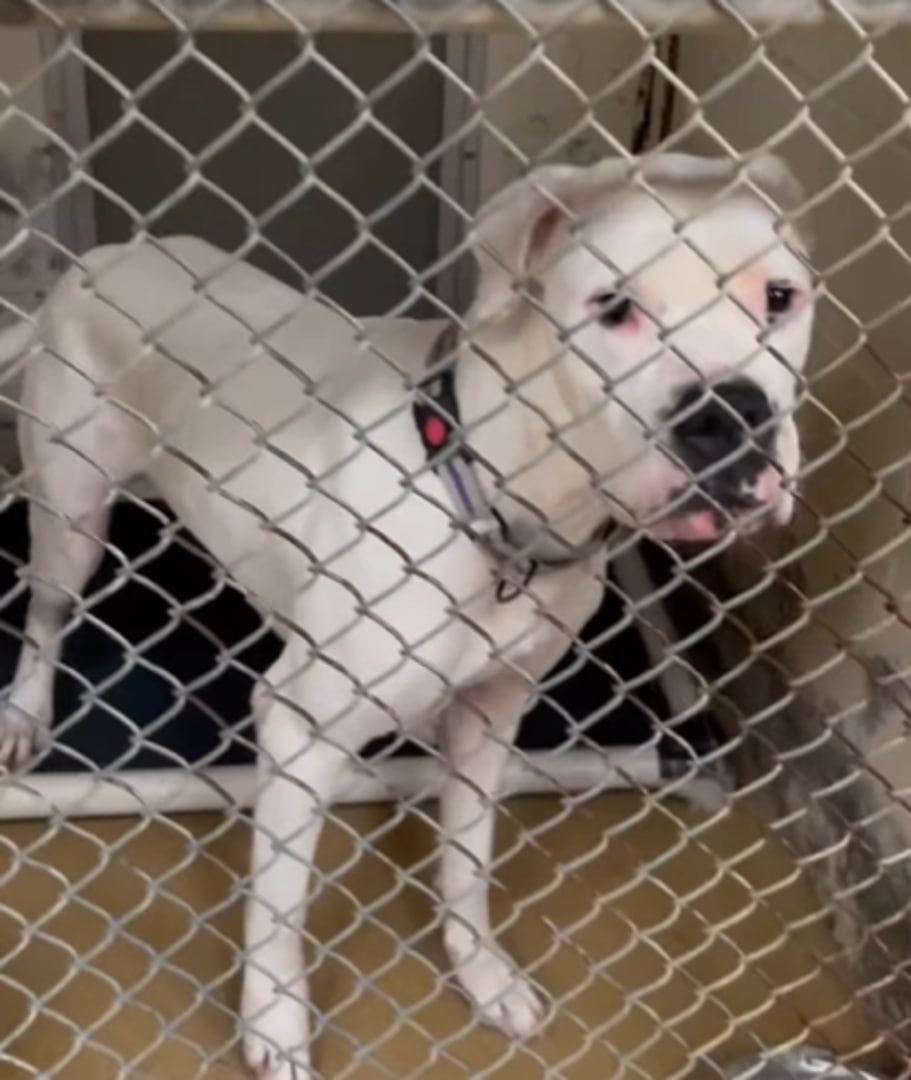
<point x="696" y="527"/>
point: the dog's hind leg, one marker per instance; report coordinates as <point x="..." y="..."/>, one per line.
<point x="68" y="486"/>
<point x="478" y="735"/>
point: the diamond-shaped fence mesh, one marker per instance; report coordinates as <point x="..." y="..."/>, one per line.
<point x="337" y="482"/>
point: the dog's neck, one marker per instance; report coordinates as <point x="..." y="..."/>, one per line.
<point x="515" y="394"/>
<point x="509" y="404"/>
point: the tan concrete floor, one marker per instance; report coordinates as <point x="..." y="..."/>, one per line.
<point x="128" y="931"/>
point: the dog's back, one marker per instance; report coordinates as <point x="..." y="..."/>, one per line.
<point x="206" y="348"/>
<point x="219" y="323"/>
<point x="219" y="383"/>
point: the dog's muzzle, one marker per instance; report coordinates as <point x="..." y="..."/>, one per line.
<point x="724" y="435"/>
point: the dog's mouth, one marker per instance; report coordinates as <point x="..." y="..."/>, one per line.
<point x="707" y="511"/>
<point x="704" y="526"/>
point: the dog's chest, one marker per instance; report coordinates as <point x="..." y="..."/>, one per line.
<point x="526" y="628"/>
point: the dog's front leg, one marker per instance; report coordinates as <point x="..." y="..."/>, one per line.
<point x="477" y="736"/>
<point x="301" y="767"/>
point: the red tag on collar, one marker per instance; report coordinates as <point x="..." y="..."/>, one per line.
<point x="435" y="431"/>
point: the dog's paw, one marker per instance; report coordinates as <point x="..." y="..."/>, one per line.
<point x="274" y="1032"/>
<point x="266" y="1063"/>
<point x="502" y="997"/>
<point x="21" y="735"/>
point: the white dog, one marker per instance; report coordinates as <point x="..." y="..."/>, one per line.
<point x="421" y="552"/>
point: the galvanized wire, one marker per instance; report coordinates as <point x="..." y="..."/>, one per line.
<point x="791" y="650"/>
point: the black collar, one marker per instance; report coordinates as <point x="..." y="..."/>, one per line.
<point x="436" y="415"/>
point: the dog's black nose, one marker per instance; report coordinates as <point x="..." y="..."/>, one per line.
<point x="711" y="423"/>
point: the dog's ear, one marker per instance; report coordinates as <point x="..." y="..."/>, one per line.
<point x="769" y="174"/>
<point x="765" y="174"/>
<point x="514" y="229"/>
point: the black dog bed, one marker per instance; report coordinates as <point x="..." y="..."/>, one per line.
<point x="175" y="690"/>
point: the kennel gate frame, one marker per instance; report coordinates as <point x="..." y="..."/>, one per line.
<point x="445" y="15"/>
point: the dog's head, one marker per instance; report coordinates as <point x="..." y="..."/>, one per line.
<point x="656" y="320"/>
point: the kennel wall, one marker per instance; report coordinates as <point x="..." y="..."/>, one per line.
<point x="98" y="138"/>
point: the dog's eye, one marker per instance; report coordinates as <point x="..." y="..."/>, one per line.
<point x="779" y="298"/>
<point x="613" y="309"/>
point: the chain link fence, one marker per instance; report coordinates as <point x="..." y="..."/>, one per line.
<point x="708" y="859"/>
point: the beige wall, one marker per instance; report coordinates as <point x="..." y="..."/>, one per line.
<point x="26" y="268"/>
<point x="539" y="100"/>
<point x="20" y="58"/>
<point x="25" y="108"/>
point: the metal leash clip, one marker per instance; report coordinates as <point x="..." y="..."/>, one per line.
<point x="799" y="1063"/>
